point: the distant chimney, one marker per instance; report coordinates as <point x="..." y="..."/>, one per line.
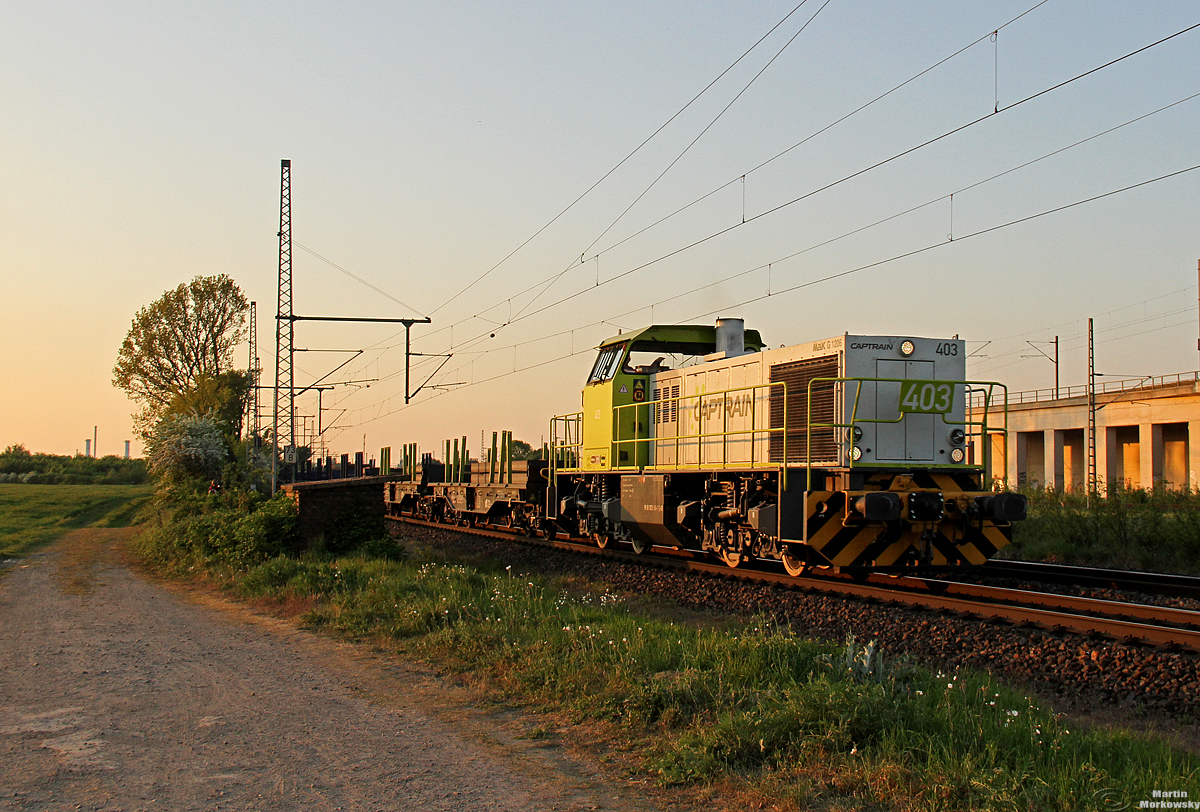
<point x="126" y="449"/>
<point x="87" y="448"/>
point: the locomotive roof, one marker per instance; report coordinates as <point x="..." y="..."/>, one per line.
<point x="686" y="339"/>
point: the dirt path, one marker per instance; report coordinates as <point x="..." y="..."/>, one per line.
<point x="119" y="694"/>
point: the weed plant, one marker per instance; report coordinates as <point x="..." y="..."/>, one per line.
<point x="1131" y="528"/>
<point x="834" y="726"/>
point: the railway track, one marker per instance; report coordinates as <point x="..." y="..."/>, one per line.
<point x="1157" y="626"/>
<point x="1151" y="583"/>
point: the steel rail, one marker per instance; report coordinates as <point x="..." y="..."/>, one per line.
<point x="965" y="599"/>
<point x="1154" y="583"/>
<point x="1137" y="612"/>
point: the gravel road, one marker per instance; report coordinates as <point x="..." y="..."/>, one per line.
<point x="120" y="694"/>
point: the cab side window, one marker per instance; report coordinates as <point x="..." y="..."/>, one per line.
<point x="607" y="363"/>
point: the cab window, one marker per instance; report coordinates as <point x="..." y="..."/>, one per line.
<point x="607" y="363"/>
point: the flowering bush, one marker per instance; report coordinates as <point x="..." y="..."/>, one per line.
<point x="183" y="445"/>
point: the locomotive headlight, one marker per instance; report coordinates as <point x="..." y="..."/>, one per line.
<point x="957" y="436"/>
<point x="856" y="454"/>
<point x="957" y="455"/>
<point x="907" y="348"/>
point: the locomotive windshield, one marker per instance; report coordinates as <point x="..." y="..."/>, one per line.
<point x="607" y="363"/>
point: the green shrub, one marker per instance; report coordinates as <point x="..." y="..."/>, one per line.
<point x="356" y="530"/>
<point x="237" y="530"/>
<point x="1134" y="528"/>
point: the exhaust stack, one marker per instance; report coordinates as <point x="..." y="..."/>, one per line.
<point x="731" y="337"/>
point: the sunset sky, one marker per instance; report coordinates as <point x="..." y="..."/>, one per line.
<point x="434" y="146"/>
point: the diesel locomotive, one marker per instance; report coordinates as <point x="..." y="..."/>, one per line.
<point x="849" y="452"/>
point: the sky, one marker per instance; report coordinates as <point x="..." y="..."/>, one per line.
<point x="537" y="176"/>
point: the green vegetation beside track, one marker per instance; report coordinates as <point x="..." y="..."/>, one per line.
<point x="1156" y="530"/>
<point x="745" y="707"/>
<point x="32" y="515"/>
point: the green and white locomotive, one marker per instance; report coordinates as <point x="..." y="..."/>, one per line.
<point x="849" y="452"/>
<point x="853" y="451"/>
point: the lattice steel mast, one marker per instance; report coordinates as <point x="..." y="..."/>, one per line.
<point x="1093" y="483"/>
<point x="285" y="379"/>
<point x="254" y="368"/>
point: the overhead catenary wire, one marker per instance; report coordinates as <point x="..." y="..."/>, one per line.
<point x="847" y="272"/>
<point x="355" y="277"/>
<point x="682" y="153"/>
<point x="1040" y="93"/>
<point x="582" y="260"/>
<point x="858" y="230"/>
<point x="792" y="255"/>
<point x="779" y="207"/>
<point x="623" y="161"/>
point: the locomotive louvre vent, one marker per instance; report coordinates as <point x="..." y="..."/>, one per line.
<point x="796" y="376"/>
<point x="668" y="410"/>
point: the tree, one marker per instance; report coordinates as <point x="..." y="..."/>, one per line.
<point x="522" y="450"/>
<point x="187" y="333"/>
<point x="222" y="396"/>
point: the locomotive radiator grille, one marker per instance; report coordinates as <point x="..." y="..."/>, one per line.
<point x="797" y="375"/>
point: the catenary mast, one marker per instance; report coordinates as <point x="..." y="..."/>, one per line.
<point x="284" y="425"/>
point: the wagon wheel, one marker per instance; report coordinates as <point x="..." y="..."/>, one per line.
<point x="639" y="546"/>
<point x="548" y="530"/>
<point x="794" y="566"/>
<point x="531" y="532"/>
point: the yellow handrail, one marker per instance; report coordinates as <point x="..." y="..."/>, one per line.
<point x="724" y="434"/>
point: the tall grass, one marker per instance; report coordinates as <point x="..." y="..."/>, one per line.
<point x="752" y="701"/>
<point x="1147" y="529"/>
<point x="32" y="515"/>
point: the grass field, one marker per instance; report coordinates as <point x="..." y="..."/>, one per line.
<point x="34" y="515"/>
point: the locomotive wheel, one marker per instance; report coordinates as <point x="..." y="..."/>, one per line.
<point x="548" y="530"/>
<point x="600" y="540"/>
<point x="530" y="531"/>
<point x="794" y="566"/>
<point x="639" y="546"/>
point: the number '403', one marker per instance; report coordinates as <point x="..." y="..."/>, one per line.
<point x="926" y="396"/>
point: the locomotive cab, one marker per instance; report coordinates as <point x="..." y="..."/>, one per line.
<point x="617" y="403"/>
